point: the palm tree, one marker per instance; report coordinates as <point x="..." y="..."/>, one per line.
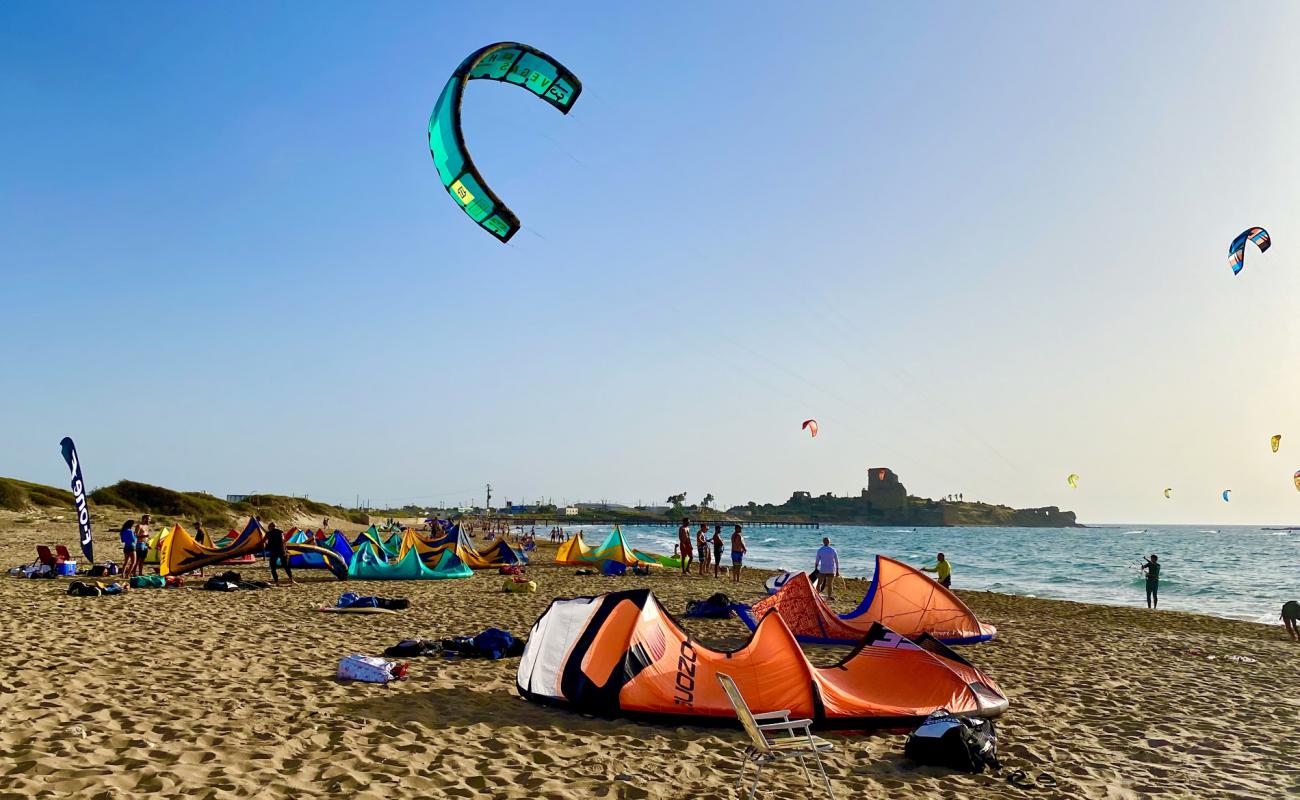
<point x="707" y="501"/>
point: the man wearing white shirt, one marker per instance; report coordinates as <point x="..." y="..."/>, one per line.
<point x="827" y="567"/>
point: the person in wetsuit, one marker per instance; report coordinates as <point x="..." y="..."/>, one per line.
<point x="276" y="553"/>
<point x="1152" y="569"/>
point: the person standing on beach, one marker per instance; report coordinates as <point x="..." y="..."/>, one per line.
<point x="276" y="553"/>
<point x="684" y="542"/>
<point x="717" y="550"/>
<point x="200" y="535"/>
<point x="128" y="547"/>
<point x="737" y="554"/>
<point x="942" y="570"/>
<point x="702" y="548"/>
<point x="827" y="567"/>
<point x="141" y="543"/>
<point x="1291" y="619"/>
<point x="1152" y="569"/>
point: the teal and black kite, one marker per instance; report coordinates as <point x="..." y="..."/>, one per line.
<point x="507" y="62"/>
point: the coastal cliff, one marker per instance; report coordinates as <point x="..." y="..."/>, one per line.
<point x="885" y="501"/>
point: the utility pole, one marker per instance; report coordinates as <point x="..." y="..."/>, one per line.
<point x="488" y="503"/>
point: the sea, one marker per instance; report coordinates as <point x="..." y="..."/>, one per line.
<point x="1236" y="572"/>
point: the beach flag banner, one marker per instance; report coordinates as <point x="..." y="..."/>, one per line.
<point x="79" y="497"/>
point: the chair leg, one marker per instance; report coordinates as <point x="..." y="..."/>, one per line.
<point x="806" y="774"/>
<point x="757" y="776"/>
<point x="744" y="764"/>
<point x="829" y="791"/>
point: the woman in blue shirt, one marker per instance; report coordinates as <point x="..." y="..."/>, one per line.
<point x="128" y="546"/>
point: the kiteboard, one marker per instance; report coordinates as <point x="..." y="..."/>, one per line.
<point x="356" y="610"/>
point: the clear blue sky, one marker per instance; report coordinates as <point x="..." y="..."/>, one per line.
<point x="982" y="244"/>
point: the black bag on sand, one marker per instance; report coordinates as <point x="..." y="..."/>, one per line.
<point x="414" y="648"/>
<point x="717" y="606"/>
<point x="943" y="740"/>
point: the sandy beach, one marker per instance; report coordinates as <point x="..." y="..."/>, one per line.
<point x="207" y="695"/>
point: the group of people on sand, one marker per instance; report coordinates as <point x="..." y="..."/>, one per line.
<point x="709" y="549"/>
<point x="135" y="545"/>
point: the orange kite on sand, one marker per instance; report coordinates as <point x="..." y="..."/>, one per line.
<point x="902" y="598"/>
<point x="621" y="654"/>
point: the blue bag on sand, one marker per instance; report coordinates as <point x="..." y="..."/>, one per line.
<point x="614" y="568"/>
<point x="354" y="600"/>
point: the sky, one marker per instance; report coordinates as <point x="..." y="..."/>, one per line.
<point x="983" y="245"/>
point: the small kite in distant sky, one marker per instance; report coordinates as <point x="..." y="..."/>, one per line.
<point x="1275" y="442"/>
<point x="810" y="425"/>
<point x="1226" y="492"/>
<point x="1073" y="480"/>
<point x="1167" y="491"/>
<point x="1237" y="250"/>
<point x="1297" y="480"/>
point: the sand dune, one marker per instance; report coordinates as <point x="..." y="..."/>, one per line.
<point x="184" y="692"/>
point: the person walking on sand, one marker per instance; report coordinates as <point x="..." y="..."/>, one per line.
<point x="200" y="535"/>
<point x="1152" y="569"/>
<point x="943" y="571"/>
<point x="1291" y="619"/>
<point x="276" y="554"/>
<point x="702" y="548"/>
<point x="827" y="567"/>
<point x="737" y="554"/>
<point x="717" y="550"/>
<point x="684" y="542"/>
<point x="127" y="536"/>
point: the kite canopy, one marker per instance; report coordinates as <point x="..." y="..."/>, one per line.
<point x="810" y="425"/>
<point x="1226" y="492"/>
<point x="1073" y="480"/>
<point x="180" y="553"/>
<point x="1297" y="480"/>
<point x="337" y="544"/>
<point x="327" y="558"/>
<point x="900" y="597"/>
<point x="506" y="62"/>
<point x="1167" y="491"/>
<point x="368" y="565"/>
<point x="622" y="654"/>
<point x="615" y="548"/>
<point x="454" y="539"/>
<point x="1275" y="441"/>
<point x="1237" y="250"/>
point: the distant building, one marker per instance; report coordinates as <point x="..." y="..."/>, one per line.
<point x="570" y="511"/>
<point x="237" y="498"/>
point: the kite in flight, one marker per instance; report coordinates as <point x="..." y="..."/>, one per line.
<point x="810" y="425"/>
<point x="1297" y="480"/>
<point x="1237" y="250"/>
<point x="1226" y="492"/>
<point x="1276" y="441"/>
<point x="506" y="62"/>
<point x="1073" y="480"/>
<point x="1167" y="491"/>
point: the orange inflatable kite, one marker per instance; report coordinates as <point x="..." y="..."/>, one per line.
<point x="622" y="654"/>
<point x="904" y="599"/>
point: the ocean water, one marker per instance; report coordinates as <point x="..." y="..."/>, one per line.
<point x="1238" y="572"/>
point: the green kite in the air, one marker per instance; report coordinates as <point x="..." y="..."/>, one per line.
<point x="507" y="62"/>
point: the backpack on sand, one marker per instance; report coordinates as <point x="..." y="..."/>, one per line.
<point x="943" y="740"/>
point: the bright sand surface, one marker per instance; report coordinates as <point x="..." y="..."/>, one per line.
<point x="207" y="695"/>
